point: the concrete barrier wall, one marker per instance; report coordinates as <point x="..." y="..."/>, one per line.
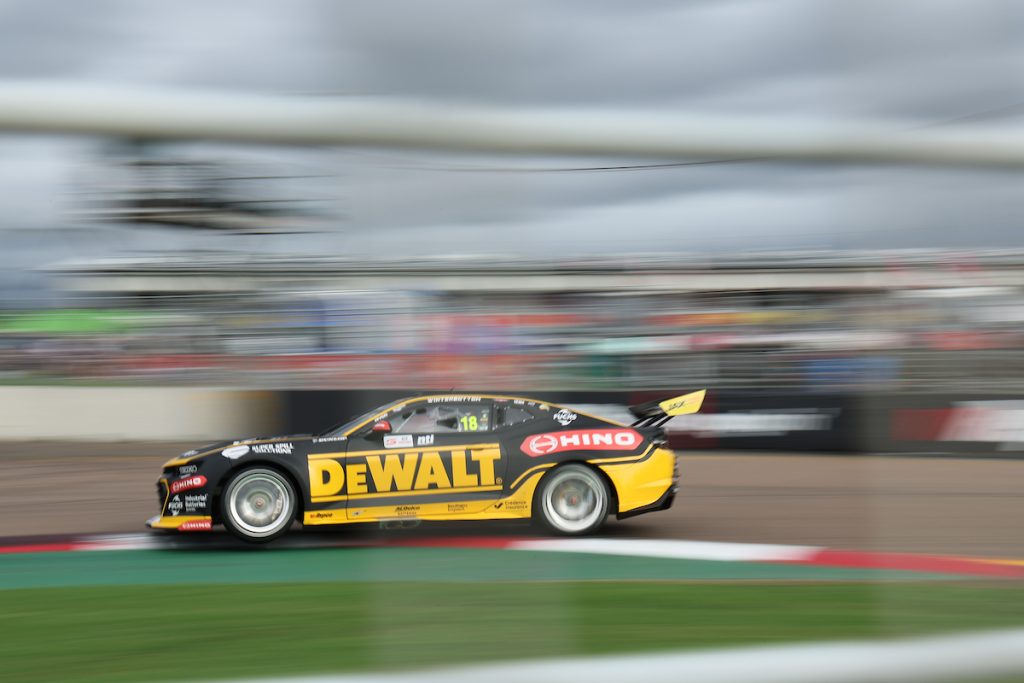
<point x="135" y="414"/>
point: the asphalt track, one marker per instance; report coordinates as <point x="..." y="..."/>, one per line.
<point x="948" y="506"/>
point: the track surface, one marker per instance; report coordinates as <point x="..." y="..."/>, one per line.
<point x="944" y="506"/>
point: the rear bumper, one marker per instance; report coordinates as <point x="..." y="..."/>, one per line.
<point x="663" y="503"/>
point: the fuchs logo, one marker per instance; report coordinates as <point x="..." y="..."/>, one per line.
<point x="174" y="506"/>
<point x="196" y="525"/>
<point x="564" y="417"/>
<point x="186" y="484"/>
<point x="581" y="440"/>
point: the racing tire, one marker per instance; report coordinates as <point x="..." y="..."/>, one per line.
<point x="572" y="500"/>
<point x="258" y="504"/>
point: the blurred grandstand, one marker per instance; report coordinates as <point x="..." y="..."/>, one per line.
<point x="923" y="321"/>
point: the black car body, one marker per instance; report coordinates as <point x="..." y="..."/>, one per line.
<point x="434" y="457"/>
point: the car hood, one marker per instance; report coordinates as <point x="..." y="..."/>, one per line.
<point x="220" y="446"/>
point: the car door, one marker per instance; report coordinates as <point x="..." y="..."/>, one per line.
<point x="429" y="458"/>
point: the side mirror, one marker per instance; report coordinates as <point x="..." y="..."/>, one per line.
<point x="382" y="427"/>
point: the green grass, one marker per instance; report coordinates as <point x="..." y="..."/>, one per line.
<point x="200" y="632"/>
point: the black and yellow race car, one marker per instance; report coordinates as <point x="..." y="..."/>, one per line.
<point x="434" y="457"/>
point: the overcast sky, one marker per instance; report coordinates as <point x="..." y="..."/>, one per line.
<point x="921" y="62"/>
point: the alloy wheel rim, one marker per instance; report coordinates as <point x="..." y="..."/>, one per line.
<point x="574" y="501"/>
<point x="259" y="504"/>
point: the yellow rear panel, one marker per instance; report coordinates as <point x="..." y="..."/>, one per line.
<point x="642" y="483"/>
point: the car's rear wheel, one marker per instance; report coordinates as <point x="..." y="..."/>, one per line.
<point x="258" y="504"/>
<point x="572" y="500"/>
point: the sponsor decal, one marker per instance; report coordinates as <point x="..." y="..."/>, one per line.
<point x="449" y="399"/>
<point x="511" y="505"/>
<point x="324" y="514"/>
<point x="174" y="506"/>
<point x="425" y="440"/>
<point x="189" y="454"/>
<point x="273" y="448"/>
<point x="581" y="440"/>
<point x="673" y="404"/>
<point x="196" y="525"/>
<point x="329" y="439"/>
<point x="397" y="440"/>
<point x="564" y="417"/>
<point x="195" y="502"/>
<point x="686" y="404"/>
<point x="457" y="507"/>
<point x="234" y="452"/>
<point x="186" y="470"/>
<point x="186" y="484"/>
<point x="407" y="510"/>
<point x="428" y="469"/>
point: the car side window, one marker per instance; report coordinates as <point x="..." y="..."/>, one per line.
<point x="507" y="415"/>
<point x="443" y="418"/>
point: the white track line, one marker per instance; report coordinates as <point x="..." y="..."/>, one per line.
<point x="120" y="542"/>
<point x="682" y="550"/>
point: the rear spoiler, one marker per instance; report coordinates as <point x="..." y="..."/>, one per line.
<point x="657" y="413"/>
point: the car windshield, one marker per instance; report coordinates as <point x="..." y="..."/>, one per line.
<point x="342" y="427"/>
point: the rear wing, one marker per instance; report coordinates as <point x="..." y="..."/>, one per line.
<point x="657" y="413"/>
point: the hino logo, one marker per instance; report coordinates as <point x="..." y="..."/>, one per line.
<point x="581" y="440"/>
<point x="189" y="483"/>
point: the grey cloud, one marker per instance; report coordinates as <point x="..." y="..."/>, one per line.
<point x="920" y="61"/>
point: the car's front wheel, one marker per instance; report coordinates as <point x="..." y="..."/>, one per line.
<point x="572" y="500"/>
<point x="258" y="504"/>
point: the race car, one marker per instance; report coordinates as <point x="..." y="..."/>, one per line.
<point x="432" y="457"/>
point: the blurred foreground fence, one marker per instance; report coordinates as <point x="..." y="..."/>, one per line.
<point x="953" y="658"/>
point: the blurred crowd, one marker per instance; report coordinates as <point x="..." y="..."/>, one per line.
<point x="932" y="339"/>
